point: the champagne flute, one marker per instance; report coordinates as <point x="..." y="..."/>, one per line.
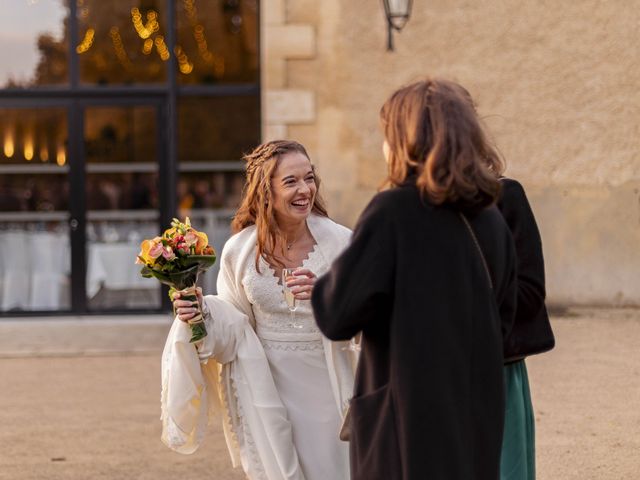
<point x="289" y="297"/>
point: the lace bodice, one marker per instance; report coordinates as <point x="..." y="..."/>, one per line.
<point x="273" y="319"/>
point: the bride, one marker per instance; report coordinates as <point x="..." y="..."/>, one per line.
<point x="282" y="384"/>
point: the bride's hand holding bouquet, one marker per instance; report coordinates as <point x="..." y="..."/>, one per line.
<point x="176" y="259"/>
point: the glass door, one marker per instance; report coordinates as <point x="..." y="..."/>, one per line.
<point x="121" y="149"/>
<point x="35" y="265"/>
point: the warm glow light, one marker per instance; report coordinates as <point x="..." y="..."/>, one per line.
<point x="191" y="11"/>
<point x="185" y="66"/>
<point x="87" y="41"/>
<point x="201" y="40"/>
<point x="199" y="35"/>
<point x="44" y="154"/>
<point x="163" y="51"/>
<point x="152" y="26"/>
<point x="116" y="39"/>
<point x="61" y="156"/>
<point x="8" y="144"/>
<point x="28" y="148"/>
<point x="147" y="46"/>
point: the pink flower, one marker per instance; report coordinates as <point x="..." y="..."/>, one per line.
<point x="167" y="253"/>
<point x="156" y="250"/>
<point x="191" y="238"/>
<point x="150" y="250"/>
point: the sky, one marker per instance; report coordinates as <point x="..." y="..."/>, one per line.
<point x="21" y="21"/>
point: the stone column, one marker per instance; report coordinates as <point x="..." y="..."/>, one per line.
<point x="281" y="41"/>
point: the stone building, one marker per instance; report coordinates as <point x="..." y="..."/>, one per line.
<point x="116" y="116"/>
<point x="556" y="83"/>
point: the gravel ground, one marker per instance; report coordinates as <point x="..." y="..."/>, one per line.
<point x="97" y="417"/>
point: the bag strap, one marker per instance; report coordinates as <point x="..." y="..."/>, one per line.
<point x="477" y="244"/>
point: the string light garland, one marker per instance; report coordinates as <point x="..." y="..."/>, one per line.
<point x="152" y="26"/>
<point x="184" y="65"/>
<point x="116" y="39"/>
<point x="87" y="41"/>
<point x="162" y="49"/>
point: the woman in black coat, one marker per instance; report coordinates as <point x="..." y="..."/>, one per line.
<point x="531" y="333"/>
<point x="429" y="279"/>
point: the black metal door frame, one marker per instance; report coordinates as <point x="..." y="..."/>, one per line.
<point x="77" y="179"/>
<point x="77" y="213"/>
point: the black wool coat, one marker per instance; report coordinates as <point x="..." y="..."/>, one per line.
<point x="429" y="395"/>
<point x="531" y="328"/>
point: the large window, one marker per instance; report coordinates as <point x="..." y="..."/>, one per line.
<point x="34" y="43"/>
<point x="116" y="116"/>
<point x="122" y="42"/>
<point x="34" y="201"/>
<point x="217" y="41"/>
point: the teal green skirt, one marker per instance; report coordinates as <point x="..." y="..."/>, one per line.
<point x="518" y="460"/>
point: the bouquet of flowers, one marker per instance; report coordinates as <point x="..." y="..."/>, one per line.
<point x="176" y="259"/>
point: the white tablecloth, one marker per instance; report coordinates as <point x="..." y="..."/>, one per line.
<point x="112" y="266"/>
<point x="35" y="268"/>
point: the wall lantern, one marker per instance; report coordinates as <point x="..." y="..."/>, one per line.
<point x="398" y="13"/>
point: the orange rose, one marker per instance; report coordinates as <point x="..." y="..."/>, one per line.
<point x="198" y="239"/>
<point x="201" y="243"/>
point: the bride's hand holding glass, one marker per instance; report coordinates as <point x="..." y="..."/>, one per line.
<point x="297" y="284"/>
<point x="300" y="282"/>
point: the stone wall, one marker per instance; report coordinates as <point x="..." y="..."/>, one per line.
<point x="556" y="82"/>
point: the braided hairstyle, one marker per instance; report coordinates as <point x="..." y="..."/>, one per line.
<point x="256" y="207"/>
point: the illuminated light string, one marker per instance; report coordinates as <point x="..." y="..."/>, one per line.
<point x="119" y="48"/>
<point x="152" y="26"/>
<point x="162" y="49"/>
<point x="184" y="64"/>
<point x="191" y="11"/>
<point x="147" y="47"/>
<point x="44" y="154"/>
<point x="199" y="35"/>
<point x="87" y="41"/>
<point x="203" y="47"/>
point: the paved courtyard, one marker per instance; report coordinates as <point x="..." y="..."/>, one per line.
<point x="80" y="400"/>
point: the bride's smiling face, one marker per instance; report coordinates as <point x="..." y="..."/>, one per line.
<point x="294" y="188"/>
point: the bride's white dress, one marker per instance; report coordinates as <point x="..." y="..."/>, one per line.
<point x="295" y="352"/>
<point x="282" y="386"/>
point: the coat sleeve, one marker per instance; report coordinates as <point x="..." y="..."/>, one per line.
<point x="517" y="212"/>
<point x="357" y="291"/>
<point x="229" y="282"/>
<point x="508" y="296"/>
<point x="226" y="313"/>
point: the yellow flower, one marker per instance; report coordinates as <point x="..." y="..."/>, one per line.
<point x="170" y="232"/>
<point x="150" y="250"/>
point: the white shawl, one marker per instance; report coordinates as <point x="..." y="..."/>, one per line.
<point x="256" y="427"/>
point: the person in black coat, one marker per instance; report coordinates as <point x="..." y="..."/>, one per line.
<point x="430" y="281"/>
<point x="531" y="334"/>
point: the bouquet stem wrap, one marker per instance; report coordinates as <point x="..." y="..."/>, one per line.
<point x="198" y="329"/>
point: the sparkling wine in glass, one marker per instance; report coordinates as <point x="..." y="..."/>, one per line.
<point x="289" y="296"/>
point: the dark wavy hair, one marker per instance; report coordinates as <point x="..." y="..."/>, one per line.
<point x="256" y="207"/>
<point x="434" y="134"/>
